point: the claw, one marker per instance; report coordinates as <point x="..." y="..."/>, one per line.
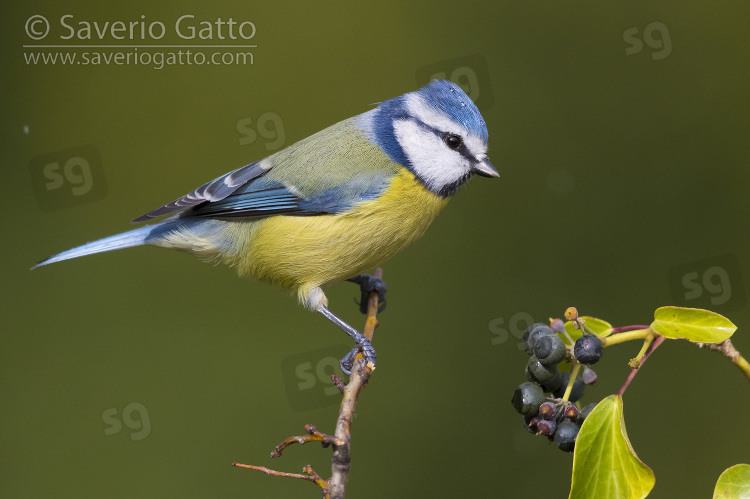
<point x="368" y="284"/>
<point x="361" y="343"/>
<point x="368" y="352"/>
<point x="347" y="361"/>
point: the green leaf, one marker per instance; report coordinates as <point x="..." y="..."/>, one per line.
<point x="598" y="326"/>
<point x="734" y="483"/>
<point x="692" y="324"/>
<point x="604" y="463"/>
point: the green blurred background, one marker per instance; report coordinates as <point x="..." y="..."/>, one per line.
<point x="621" y="136"/>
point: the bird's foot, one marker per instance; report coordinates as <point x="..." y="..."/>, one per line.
<point x="368" y="284"/>
<point x="364" y="346"/>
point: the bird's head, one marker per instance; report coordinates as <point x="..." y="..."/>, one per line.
<point x="437" y="133"/>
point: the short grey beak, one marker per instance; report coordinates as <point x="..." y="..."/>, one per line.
<point x="485" y="169"/>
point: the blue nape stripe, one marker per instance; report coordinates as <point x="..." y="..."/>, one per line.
<point x="384" y="132"/>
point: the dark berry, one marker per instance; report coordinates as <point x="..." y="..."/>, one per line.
<point x="555" y="383"/>
<point x="571" y="412"/>
<point x="565" y="436"/>
<point x="586" y="411"/>
<point x="547" y="410"/>
<point x="543" y="374"/>
<point x="576" y="393"/>
<point x="527" y="398"/>
<point x="589" y="376"/>
<point x="549" y="349"/>
<point x="528" y="346"/>
<point x="546" y="427"/>
<point x="537" y="333"/>
<point x="530" y="376"/>
<point x="588" y="349"/>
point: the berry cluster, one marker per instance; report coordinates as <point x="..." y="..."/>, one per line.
<point x="555" y="416"/>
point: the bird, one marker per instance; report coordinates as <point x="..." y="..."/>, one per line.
<point x="331" y="206"/>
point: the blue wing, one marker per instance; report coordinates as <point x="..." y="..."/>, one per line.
<point x="215" y="190"/>
<point x="246" y="193"/>
<point x="261" y="198"/>
<point x="260" y="201"/>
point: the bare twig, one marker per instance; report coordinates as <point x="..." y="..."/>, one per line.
<point x="313" y="435"/>
<point x="310" y="476"/>
<point x="338" y="382"/>
<point x="341" y="460"/>
<point x="729" y="351"/>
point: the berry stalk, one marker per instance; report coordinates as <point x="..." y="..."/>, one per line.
<point x="638" y="334"/>
<point x="573" y="375"/>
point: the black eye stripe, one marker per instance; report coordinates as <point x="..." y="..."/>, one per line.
<point x="461" y="149"/>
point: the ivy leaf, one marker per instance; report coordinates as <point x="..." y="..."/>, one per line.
<point x="692" y="324"/>
<point x="604" y="463"/>
<point x="598" y="326"/>
<point x="734" y="483"/>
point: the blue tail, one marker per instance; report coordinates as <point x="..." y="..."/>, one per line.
<point x="136" y="237"/>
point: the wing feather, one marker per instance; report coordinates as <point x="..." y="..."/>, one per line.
<point x="215" y="190"/>
<point x="324" y="173"/>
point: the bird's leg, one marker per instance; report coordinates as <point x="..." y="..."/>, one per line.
<point x="368" y="284"/>
<point x="361" y="342"/>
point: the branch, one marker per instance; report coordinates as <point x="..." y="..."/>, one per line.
<point x="632" y="374"/>
<point x="311" y="475"/>
<point x="313" y="435"/>
<point x="341" y="460"/>
<point x="727" y="350"/>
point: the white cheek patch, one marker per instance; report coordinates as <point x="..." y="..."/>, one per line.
<point x="429" y="116"/>
<point x="432" y="161"/>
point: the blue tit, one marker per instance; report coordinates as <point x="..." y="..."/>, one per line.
<point x="330" y="206"/>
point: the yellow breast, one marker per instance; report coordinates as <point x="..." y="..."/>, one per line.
<point x="302" y="253"/>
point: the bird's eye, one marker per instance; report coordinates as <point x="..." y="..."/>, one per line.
<point x="453" y="141"/>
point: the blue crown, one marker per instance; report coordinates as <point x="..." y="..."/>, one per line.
<point x="448" y="98"/>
